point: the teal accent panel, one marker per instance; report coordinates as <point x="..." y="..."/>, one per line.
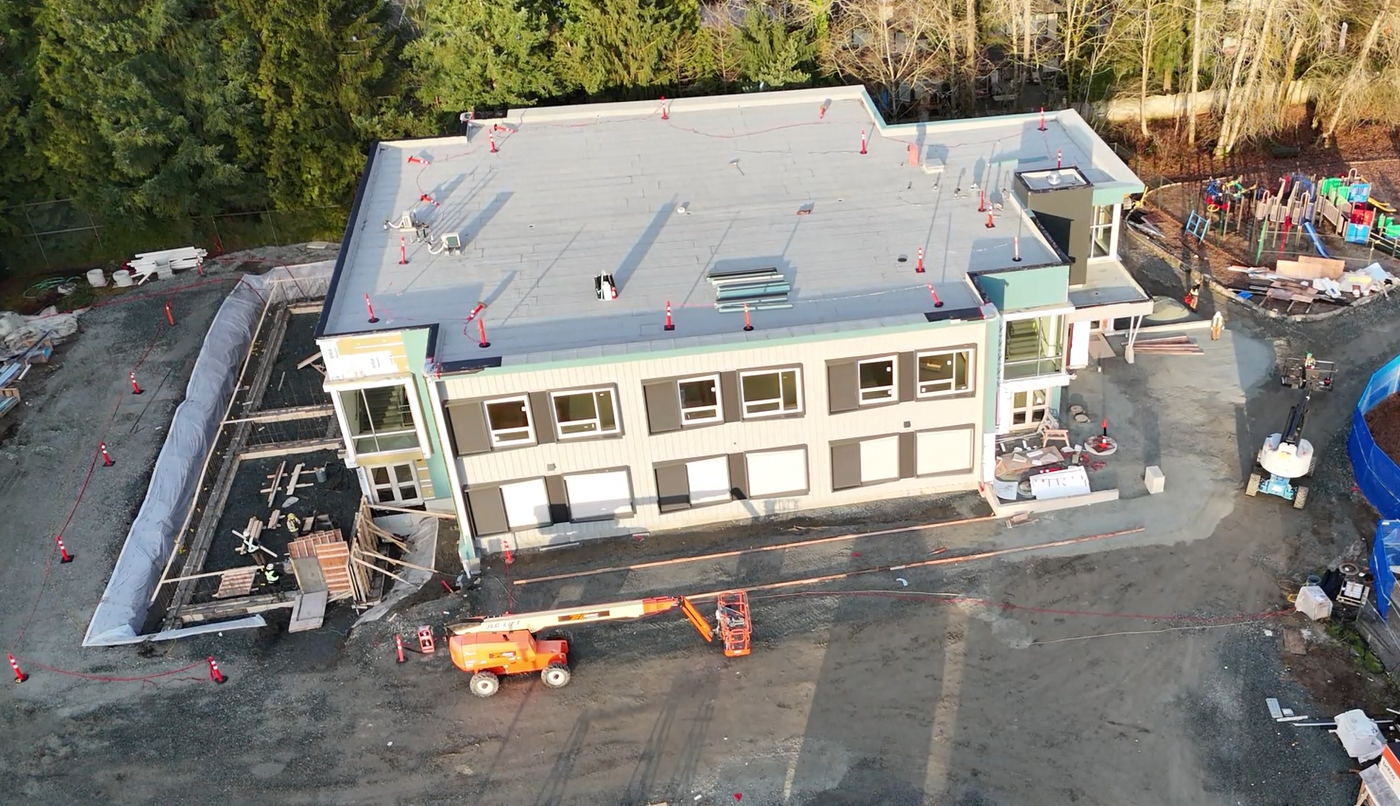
<point x="415" y="343"/>
<point x="1022" y="289"/>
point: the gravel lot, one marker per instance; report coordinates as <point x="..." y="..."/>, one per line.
<point x="1097" y="674"/>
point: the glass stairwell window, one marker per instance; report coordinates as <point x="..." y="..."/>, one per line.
<point x="380" y="419"/>
<point x="1034" y="347"/>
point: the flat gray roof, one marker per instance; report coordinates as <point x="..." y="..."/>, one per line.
<point x="659" y="204"/>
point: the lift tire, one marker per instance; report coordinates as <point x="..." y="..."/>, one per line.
<point x="484" y="684"/>
<point x="1300" y="497"/>
<point x="1251" y="488"/>
<point x="556" y="675"/>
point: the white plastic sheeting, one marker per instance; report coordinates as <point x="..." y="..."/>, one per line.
<point x="422" y="533"/>
<point x="121" y="612"/>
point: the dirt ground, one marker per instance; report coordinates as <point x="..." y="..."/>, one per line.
<point x="1131" y="669"/>
<point x="1384" y="421"/>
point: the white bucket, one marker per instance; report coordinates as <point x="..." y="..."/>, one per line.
<point x="121" y="278"/>
<point x="97" y="278"/>
<point x="165" y="272"/>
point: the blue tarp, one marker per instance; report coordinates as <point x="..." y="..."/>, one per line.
<point x="1377" y="475"/>
<point x="1385" y="555"/>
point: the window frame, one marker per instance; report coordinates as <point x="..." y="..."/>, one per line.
<point x="559" y="423"/>
<point x="892" y="390"/>
<point x="717" y="417"/>
<point x="1030" y="407"/>
<point x="423" y="446"/>
<point x="780" y="412"/>
<point x="1096" y="227"/>
<point x="394" y="486"/>
<point x="922" y="394"/>
<point x="529" y="422"/>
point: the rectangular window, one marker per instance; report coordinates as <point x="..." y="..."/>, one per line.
<point x="1102" y="230"/>
<point x="588" y="413"/>
<point x="599" y="496"/>
<point x="700" y="400"/>
<point x="769" y="393"/>
<point x="526" y="504"/>
<point x="876" y="380"/>
<point x="774" y="473"/>
<point x="395" y="484"/>
<point x="1034" y="347"/>
<point x="1028" y="408"/>
<point x="380" y="419"/>
<point x="708" y="480"/>
<point x="941" y="373"/>
<point x="509" y="421"/>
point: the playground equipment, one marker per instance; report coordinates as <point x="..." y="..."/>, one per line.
<point x="1316" y="241"/>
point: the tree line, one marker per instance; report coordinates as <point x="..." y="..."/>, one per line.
<point x="145" y="110"/>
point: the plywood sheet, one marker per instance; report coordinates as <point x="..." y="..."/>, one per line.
<point x="236" y="582"/>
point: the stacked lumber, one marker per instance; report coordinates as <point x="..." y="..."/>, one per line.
<point x="332" y="555"/>
<point x="236" y="582"/>
<point x="1167" y="345"/>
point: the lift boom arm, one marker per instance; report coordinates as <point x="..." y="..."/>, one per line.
<point x="615" y="611"/>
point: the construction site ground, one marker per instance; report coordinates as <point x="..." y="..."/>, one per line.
<point x="1128" y="669"/>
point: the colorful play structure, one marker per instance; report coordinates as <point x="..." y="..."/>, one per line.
<point x="1300" y="206"/>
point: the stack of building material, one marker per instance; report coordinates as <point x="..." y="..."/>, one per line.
<point x="367" y="553"/>
<point x="10" y="373"/>
<point x="332" y="556"/>
<point x="165" y="262"/>
<point x="1167" y="345"/>
<point x="236" y="582"/>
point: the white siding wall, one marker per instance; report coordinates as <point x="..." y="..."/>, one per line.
<point x="639" y="450"/>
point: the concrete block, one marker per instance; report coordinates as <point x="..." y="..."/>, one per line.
<point x="1155" y="480"/>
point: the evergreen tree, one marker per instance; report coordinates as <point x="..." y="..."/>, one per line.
<point x="488" y="53"/>
<point x="324" y="75"/>
<point x="125" y="95"/>
<point x="623" y="47"/>
<point x="774" y="55"/>
<point x="20" y="121"/>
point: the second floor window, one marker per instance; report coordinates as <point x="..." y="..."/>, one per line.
<point x="587" y="413"/>
<point x="769" y="393"/>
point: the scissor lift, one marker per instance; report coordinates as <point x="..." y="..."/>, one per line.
<point x="732" y="612"/>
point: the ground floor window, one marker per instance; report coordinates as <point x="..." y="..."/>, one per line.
<point x="1028" y="408"/>
<point x="394" y="484"/>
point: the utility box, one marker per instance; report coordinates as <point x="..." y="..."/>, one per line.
<point x="1154" y="478"/>
<point x="1313" y="603"/>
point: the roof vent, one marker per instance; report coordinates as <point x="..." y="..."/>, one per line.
<point x="762" y="289"/>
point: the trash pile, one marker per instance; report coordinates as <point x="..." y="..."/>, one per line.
<point x="18" y="333"/>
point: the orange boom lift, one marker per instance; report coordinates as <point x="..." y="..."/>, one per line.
<point x="506" y="645"/>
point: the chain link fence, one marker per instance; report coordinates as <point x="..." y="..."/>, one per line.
<point x="53" y="236"/>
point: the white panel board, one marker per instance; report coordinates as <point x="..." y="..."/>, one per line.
<point x="943" y="451"/>
<point x="879" y="459"/>
<point x="709" y="480"/>
<point x="777" y="472"/>
<point x="1079" y="345"/>
<point x="595" y="496"/>
<point x="1060" y="484"/>
<point x="527" y="504"/>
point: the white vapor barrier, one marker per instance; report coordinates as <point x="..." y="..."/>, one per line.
<point x="422" y="533"/>
<point x="121" y="612"/>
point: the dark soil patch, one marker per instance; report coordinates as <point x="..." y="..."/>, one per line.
<point x="338" y="496"/>
<point x="1384" y="422"/>
<point x="288" y="386"/>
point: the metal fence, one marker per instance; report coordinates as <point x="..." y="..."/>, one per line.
<point x="51" y="236"/>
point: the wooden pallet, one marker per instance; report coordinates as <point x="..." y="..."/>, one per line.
<point x="236" y="582"/>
